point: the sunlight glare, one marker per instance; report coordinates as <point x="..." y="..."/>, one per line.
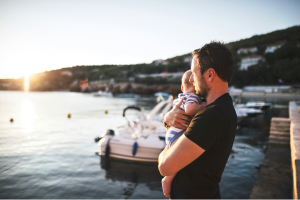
<point x="26" y="83"/>
<point x="27" y="115"/>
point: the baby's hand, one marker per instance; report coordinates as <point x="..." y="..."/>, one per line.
<point x="166" y="185"/>
<point x="202" y="105"/>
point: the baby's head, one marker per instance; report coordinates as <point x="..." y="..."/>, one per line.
<point x="186" y="85"/>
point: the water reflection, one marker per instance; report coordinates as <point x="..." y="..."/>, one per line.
<point x="27" y="115"/>
<point x="133" y="173"/>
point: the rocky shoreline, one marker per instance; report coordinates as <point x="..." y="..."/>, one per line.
<point x="135" y="88"/>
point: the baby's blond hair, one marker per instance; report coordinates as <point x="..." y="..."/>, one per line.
<point x="186" y="78"/>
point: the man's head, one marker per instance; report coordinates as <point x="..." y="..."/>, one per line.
<point x="186" y="85"/>
<point x="212" y="60"/>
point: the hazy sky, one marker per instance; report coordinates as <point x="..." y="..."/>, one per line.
<point x="39" y="35"/>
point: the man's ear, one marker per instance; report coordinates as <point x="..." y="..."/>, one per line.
<point x="211" y="73"/>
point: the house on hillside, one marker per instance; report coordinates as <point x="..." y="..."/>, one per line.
<point x="272" y="47"/>
<point x="188" y="59"/>
<point x="165" y="62"/>
<point x="163" y="74"/>
<point x="66" y="73"/>
<point x="157" y="62"/>
<point x="250" y="60"/>
<point x="247" y="50"/>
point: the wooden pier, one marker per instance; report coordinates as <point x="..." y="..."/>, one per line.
<point x="275" y="177"/>
<point x="279" y="176"/>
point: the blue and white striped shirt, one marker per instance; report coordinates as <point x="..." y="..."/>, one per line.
<point x="173" y="133"/>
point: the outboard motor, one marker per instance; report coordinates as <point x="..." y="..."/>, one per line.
<point x="97" y="139"/>
<point x="107" y="149"/>
<point x="110" y="132"/>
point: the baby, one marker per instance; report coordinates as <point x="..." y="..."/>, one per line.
<point x="190" y="104"/>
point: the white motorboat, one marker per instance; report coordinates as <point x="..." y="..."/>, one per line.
<point x="249" y="112"/>
<point x="240" y="115"/>
<point x="142" y="140"/>
<point x="103" y="94"/>
<point x="255" y="104"/>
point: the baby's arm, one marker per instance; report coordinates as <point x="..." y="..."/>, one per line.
<point x="191" y="108"/>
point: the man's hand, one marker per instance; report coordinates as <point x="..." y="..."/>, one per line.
<point x="177" y="117"/>
<point x="166" y="183"/>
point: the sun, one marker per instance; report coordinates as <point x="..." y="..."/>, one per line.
<point x="26" y="82"/>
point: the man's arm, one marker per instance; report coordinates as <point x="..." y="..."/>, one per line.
<point x="171" y="160"/>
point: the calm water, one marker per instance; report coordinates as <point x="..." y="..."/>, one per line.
<point x="43" y="154"/>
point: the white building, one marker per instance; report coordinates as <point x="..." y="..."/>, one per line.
<point x="247" y="50"/>
<point x="250" y="60"/>
<point x="157" y="62"/>
<point x="187" y="59"/>
<point x="268" y="88"/>
<point x="271" y="48"/>
<point x="165" y="62"/>
<point x="163" y="74"/>
<point x="66" y="73"/>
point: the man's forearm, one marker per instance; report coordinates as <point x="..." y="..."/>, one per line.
<point x="162" y="155"/>
<point x="172" y="160"/>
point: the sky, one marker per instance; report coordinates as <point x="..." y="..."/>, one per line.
<point x="42" y="35"/>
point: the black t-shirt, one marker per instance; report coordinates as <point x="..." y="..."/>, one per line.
<point x="213" y="129"/>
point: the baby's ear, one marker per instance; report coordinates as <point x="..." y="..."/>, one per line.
<point x="182" y="88"/>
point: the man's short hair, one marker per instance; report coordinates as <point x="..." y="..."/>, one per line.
<point x="217" y="56"/>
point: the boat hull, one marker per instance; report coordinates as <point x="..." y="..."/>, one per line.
<point x="121" y="148"/>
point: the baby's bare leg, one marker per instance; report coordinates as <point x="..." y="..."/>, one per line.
<point x="167" y="180"/>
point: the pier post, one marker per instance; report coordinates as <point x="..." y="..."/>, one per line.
<point x="295" y="146"/>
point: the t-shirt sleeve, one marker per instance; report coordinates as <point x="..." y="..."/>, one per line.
<point x="193" y="98"/>
<point x="205" y="129"/>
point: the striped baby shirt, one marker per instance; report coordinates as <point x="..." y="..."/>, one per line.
<point x="173" y="132"/>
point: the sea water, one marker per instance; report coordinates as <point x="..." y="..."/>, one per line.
<point x="45" y="154"/>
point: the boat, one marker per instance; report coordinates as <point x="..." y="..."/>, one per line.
<point x="103" y="94"/>
<point x="142" y="140"/>
<point x="161" y="96"/>
<point x="255" y="104"/>
<point x="249" y="112"/>
<point x="240" y="115"/>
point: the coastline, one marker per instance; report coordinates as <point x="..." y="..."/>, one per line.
<point x="265" y="95"/>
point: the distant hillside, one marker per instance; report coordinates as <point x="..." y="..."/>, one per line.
<point x="279" y="67"/>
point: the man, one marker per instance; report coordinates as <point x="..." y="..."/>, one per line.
<point x="200" y="154"/>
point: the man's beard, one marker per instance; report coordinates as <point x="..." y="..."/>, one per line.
<point x="203" y="88"/>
